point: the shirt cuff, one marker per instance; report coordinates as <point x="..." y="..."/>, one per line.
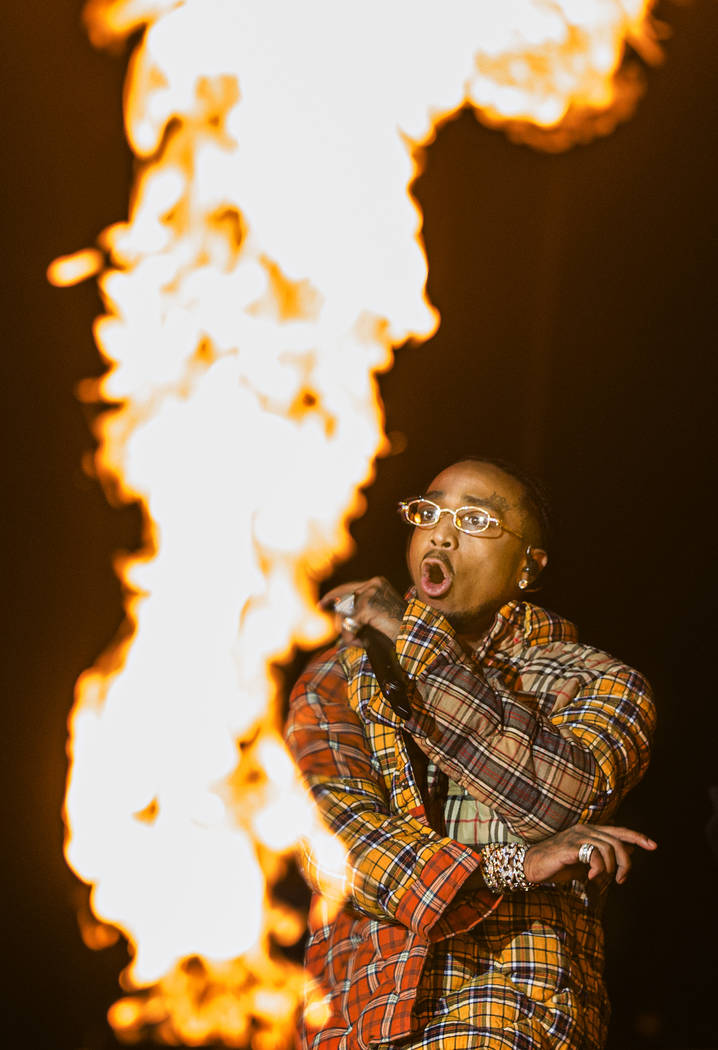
<point x="433" y="904"/>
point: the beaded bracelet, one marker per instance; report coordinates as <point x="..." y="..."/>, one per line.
<point x="502" y="865"/>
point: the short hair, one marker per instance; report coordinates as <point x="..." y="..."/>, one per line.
<point x="536" y="502"/>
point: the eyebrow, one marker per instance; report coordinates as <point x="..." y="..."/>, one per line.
<point x="499" y="505"/>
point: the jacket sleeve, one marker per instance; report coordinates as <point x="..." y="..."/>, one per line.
<point x="539" y="773"/>
<point x="400" y="870"/>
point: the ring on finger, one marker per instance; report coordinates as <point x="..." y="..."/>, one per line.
<point x="585" y="851"/>
<point x="350" y="625"/>
<point x="345" y="605"/>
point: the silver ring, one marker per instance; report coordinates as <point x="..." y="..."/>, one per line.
<point x="345" y="605"/>
<point x="584" y="853"/>
<point x="350" y="625"/>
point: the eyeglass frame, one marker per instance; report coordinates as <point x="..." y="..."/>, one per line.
<point x="404" y="503"/>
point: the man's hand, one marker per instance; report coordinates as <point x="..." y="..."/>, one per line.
<point x="375" y="602"/>
<point x="556" y="858"/>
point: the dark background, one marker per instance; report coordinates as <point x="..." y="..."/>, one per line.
<point x="577" y="300"/>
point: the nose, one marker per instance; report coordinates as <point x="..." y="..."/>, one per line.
<point x="444" y="534"/>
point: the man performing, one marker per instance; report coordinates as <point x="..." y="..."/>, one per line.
<point x="478" y="852"/>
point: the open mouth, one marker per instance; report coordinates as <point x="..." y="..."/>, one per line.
<point x="436" y="578"/>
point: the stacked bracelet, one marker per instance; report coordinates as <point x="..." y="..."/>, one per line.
<point x="502" y="865"/>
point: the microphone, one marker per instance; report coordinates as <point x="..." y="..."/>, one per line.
<point x="381" y="655"/>
<point x="385" y="665"/>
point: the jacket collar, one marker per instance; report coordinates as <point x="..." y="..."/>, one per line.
<point x="521" y="624"/>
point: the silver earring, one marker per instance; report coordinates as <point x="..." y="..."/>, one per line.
<point x="523" y="584"/>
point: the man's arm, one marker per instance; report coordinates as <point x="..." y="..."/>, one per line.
<point x="540" y="774"/>
<point x="400" y="870"/>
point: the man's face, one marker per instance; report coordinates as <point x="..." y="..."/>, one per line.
<point x="468" y="578"/>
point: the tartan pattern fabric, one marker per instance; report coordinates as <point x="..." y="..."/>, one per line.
<point x="470" y="821"/>
<point x="532" y="732"/>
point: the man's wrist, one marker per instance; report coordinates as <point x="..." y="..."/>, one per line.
<point x="502" y="866"/>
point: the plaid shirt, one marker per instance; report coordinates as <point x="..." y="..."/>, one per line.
<point x="525" y="736"/>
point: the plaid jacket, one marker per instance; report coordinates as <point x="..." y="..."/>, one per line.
<point x="526" y="736"/>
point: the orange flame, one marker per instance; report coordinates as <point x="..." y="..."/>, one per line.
<point x="71" y="269"/>
<point x="270" y="262"/>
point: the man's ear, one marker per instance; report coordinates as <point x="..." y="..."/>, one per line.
<point x="534" y="564"/>
<point x="538" y="562"/>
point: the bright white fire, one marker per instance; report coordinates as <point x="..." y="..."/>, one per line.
<point x="271" y="260"/>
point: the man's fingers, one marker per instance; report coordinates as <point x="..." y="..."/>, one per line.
<point x="561" y="857"/>
<point x="628" y="835"/>
<point x="623" y="858"/>
<point x="342" y="591"/>
<point x="593" y="832"/>
<point x="607" y="863"/>
<point x="359" y="588"/>
<point x="612" y="849"/>
<point x="622" y="850"/>
<point x="623" y="841"/>
<point x="615" y="857"/>
<point x="596" y="866"/>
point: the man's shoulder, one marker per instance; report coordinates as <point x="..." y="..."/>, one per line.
<point x="542" y="627"/>
<point x="325" y="676"/>
<point x="551" y="638"/>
